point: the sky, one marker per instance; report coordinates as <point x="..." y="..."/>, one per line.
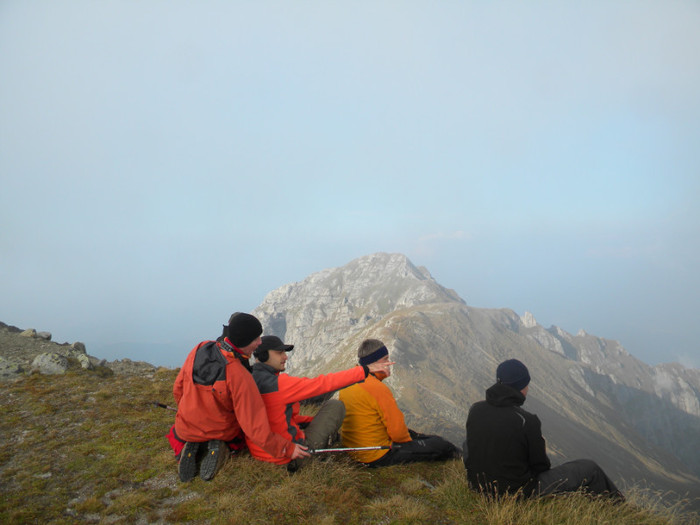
<point x="166" y="163"/>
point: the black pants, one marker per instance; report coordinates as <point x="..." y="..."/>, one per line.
<point x="424" y="448"/>
<point x="581" y="473"/>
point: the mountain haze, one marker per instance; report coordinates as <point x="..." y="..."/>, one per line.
<point x="595" y="400"/>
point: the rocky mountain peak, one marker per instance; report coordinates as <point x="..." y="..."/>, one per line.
<point x="327" y="306"/>
<point x="528" y="320"/>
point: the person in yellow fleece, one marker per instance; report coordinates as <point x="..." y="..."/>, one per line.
<point x="372" y="418"/>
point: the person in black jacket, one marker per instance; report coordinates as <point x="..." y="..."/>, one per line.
<point x="505" y="452"/>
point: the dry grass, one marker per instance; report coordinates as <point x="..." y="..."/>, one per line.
<point x="82" y="448"/>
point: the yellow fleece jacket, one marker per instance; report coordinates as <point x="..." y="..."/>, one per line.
<point x="372" y="418"/>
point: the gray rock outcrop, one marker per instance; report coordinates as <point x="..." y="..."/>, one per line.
<point x="27" y="351"/>
<point x="50" y="363"/>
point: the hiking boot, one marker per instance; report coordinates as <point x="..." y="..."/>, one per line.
<point x="216" y="454"/>
<point x="187" y="468"/>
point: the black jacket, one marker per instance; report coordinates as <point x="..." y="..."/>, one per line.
<point x="505" y="448"/>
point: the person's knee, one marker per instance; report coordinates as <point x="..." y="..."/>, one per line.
<point x="334" y="411"/>
<point x="338" y="407"/>
<point x="588" y="467"/>
<point x="440" y="443"/>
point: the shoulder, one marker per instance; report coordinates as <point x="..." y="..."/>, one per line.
<point x="378" y="389"/>
<point x="265" y="378"/>
<point x="207" y="350"/>
<point x="528" y="418"/>
<point x="525" y="413"/>
<point x="479" y="405"/>
<point x="209" y="366"/>
<point x="355" y="392"/>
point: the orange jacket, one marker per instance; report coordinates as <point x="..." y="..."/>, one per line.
<point x="372" y="418"/>
<point x="218" y="399"/>
<point x="281" y="394"/>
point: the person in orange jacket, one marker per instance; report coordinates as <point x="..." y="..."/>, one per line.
<point x="219" y="405"/>
<point x="282" y="394"/>
<point x="372" y="418"/>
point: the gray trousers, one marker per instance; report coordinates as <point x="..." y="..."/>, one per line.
<point x="579" y="474"/>
<point x="322" y="430"/>
<point x="326" y="424"/>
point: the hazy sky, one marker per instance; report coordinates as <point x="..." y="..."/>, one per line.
<point x="166" y="163"/>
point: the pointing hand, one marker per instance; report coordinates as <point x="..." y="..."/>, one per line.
<point x="378" y="366"/>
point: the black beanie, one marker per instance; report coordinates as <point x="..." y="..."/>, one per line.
<point x="243" y="329"/>
<point x="513" y="373"/>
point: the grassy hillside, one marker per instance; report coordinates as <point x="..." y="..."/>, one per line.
<point x="90" y="447"/>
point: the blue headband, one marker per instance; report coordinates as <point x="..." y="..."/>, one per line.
<point x="374" y="356"/>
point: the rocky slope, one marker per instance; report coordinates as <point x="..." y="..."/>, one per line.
<point x="27" y="351"/>
<point x="596" y="400"/>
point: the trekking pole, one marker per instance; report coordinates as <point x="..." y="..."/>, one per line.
<point x="320" y="450"/>
<point x="161" y="405"/>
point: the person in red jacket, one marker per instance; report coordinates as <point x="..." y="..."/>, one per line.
<point x="282" y="394"/>
<point x="219" y="405"/>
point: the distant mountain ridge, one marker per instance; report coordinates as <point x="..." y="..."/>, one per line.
<point x="641" y="423"/>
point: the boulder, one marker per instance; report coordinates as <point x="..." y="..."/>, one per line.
<point x="84" y="361"/>
<point x="10" y="369"/>
<point x="50" y="363"/>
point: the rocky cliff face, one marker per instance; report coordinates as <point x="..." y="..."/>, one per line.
<point x="595" y="400"/>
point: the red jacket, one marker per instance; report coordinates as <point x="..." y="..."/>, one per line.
<point x="281" y="394"/>
<point x="218" y="399"/>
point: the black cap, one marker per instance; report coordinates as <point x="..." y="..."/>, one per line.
<point x="272" y="342"/>
<point x="243" y="329"/>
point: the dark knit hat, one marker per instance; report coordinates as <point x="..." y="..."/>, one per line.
<point x="513" y="373"/>
<point x="243" y="329"/>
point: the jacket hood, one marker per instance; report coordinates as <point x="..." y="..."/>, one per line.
<point x="501" y="395"/>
